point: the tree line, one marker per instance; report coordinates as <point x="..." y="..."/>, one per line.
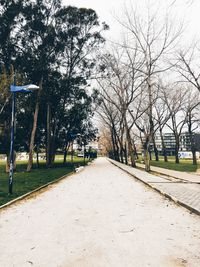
<point x="45" y="43"/>
<point x="150" y="84"/>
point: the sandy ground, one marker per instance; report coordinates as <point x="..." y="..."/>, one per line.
<point x="99" y="217"/>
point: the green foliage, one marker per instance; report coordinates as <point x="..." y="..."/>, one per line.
<point x="183" y="166"/>
<point x="25" y="182"/>
<point x="47" y="42"/>
<point x="5" y="81"/>
<point x="9" y="18"/>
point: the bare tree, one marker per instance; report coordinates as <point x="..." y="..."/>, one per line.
<point x="175" y="99"/>
<point x="105" y="141"/>
<point x="162" y="115"/>
<point x="109" y="116"/>
<point x="154" y="39"/>
<point x="188" y="66"/>
<point x="192" y="114"/>
<point x="122" y="87"/>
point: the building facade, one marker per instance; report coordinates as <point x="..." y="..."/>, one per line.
<point x="169" y="140"/>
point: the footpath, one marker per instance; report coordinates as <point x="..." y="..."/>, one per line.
<point x="181" y="187"/>
<point x="183" y="176"/>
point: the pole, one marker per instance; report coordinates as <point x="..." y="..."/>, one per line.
<point x="84" y="154"/>
<point x="72" y="151"/>
<point x="10" y="181"/>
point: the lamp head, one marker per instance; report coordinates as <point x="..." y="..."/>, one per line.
<point x="24" y="88"/>
<point x="32" y="87"/>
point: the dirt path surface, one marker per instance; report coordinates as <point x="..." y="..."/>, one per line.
<point x="99" y="217"/>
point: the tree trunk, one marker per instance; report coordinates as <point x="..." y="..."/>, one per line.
<point x="155" y="149"/>
<point x="135" y="152"/>
<point x="84" y="153"/>
<point x="8" y="162"/>
<point x="65" y="153"/>
<point x="125" y="154"/>
<point x="121" y="155"/>
<point x="151" y="123"/>
<point x="117" y="157"/>
<point x="121" y="149"/>
<point x="131" y="152"/>
<point x="194" y="158"/>
<point x="163" y="146"/>
<point x="193" y="149"/>
<point x="130" y="146"/>
<point x="176" y="157"/>
<point x="150" y="154"/>
<point x="132" y="155"/>
<point x="146" y="160"/>
<point x="165" y="155"/>
<point x="192" y="138"/>
<point x="177" y="149"/>
<point x="53" y="149"/>
<point x="37" y="158"/>
<point x="146" y="154"/>
<point x="72" y="152"/>
<point x="115" y="144"/>
<point x="48" y="143"/>
<point x="32" y="140"/>
<point x="54" y="145"/>
<point x="65" y="156"/>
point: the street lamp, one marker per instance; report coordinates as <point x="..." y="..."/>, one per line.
<point x="14" y="89"/>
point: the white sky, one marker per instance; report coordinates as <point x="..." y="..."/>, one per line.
<point x="189" y="10"/>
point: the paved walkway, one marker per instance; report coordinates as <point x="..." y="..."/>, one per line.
<point x="98" y="217"/>
<point x="184" y="189"/>
<point x="185" y="176"/>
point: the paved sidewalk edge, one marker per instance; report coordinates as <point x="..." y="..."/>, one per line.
<point x="8" y="204"/>
<point x="157" y="172"/>
<point x="174" y="199"/>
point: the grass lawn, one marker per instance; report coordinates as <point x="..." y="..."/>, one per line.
<point x="183" y="166"/>
<point x="24" y="182"/>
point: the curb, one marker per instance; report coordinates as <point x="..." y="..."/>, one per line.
<point x="170" y="197"/>
<point x="168" y="175"/>
<point x="8" y="204"/>
<point x="174" y="199"/>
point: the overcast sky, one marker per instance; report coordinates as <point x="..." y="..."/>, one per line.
<point x="189" y="10"/>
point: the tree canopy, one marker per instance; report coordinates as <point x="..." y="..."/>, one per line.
<point x="53" y="46"/>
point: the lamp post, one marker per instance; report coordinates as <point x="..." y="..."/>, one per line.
<point x="14" y="89"/>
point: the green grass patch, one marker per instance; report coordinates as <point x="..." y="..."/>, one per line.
<point x="183" y="166"/>
<point x="24" y="182"/>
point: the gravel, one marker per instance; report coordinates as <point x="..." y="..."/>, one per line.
<point x="99" y="216"/>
